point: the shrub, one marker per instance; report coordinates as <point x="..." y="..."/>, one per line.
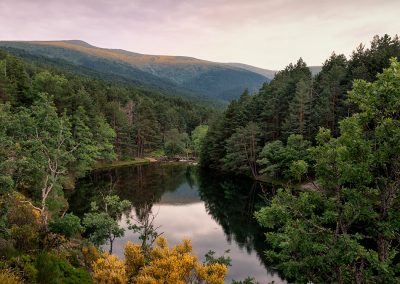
<point x="8" y="277"/>
<point x="69" y="225"/>
<point x="54" y="270"/>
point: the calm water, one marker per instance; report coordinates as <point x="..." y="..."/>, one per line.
<point x="216" y="213"/>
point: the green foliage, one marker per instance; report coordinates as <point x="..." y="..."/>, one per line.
<point x="366" y="63"/>
<point x="175" y="143"/>
<point x="101" y="223"/>
<point x="173" y="76"/>
<point x="299" y="112"/>
<point x="68" y="225"/>
<point x="25" y="266"/>
<point x="129" y="119"/>
<point x="73" y="275"/>
<point x="298" y="169"/>
<point x="52" y="269"/>
<point x="21" y="226"/>
<point x="54" y="126"/>
<point x="331" y="86"/>
<point x="198" y="135"/>
<point x="242" y="149"/>
<point x="294" y="102"/>
<point x="289" y="161"/>
<point x="348" y="227"/>
<point x="7" y="145"/>
<point x="48" y="269"/>
<point x="211" y="258"/>
<point x="101" y="228"/>
<point x="248" y="280"/>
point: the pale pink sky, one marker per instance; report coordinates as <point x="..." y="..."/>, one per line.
<point x="264" y="33"/>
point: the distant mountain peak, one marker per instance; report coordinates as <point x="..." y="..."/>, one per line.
<point x="170" y="73"/>
<point x="264" y="72"/>
<point x="78" y="42"/>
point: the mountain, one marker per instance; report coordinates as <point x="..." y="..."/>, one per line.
<point x="170" y="74"/>
<point x="264" y="72"/>
<point x="270" y="74"/>
<point x="315" y="69"/>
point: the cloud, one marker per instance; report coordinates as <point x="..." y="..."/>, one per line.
<point x="266" y="33"/>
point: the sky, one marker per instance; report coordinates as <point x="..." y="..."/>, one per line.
<point x="264" y="33"/>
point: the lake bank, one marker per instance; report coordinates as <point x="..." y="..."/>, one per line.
<point x="139" y="161"/>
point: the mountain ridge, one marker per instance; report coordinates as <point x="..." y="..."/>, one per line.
<point x="206" y="78"/>
<point x="270" y="74"/>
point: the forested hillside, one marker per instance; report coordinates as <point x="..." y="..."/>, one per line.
<point x="332" y="139"/>
<point x="54" y="127"/>
<point x="340" y="132"/>
<point x="295" y="103"/>
<point x="138" y="121"/>
<point x="172" y="75"/>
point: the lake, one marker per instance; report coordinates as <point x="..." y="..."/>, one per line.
<point x="214" y="211"/>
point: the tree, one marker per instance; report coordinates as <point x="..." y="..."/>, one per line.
<point x="102" y="221"/>
<point x="213" y="149"/>
<point x="69" y="225"/>
<point x="286" y="161"/>
<point x="366" y="63"/>
<point x="175" y="143"/>
<point x="298" y="117"/>
<point x="46" y="149"/>
<point x="242" y="149"/>
<point x="278" y="95"/>
<point x="349" y="226"/>
<point x="331" y="88"/>
<point x="198" y="135"/>
<point x="379" y="121"/>
<point x="50" y="150"/>
<point x="7" y="149"/>
<point x="89" y="150"/>
<point x="148" y="136"/>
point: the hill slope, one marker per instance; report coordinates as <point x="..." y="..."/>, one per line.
<point x="270" y="74"/>
<point x="173" y="74"/>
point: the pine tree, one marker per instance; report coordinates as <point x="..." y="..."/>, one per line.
<point x="298" y="117"/>
<point x="331" y="88"/>
<point x="242" y="150"/>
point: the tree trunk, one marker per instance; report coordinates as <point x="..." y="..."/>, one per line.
<point x="383" y="247"/>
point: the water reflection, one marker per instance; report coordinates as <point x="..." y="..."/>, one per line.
<point x="214" y="212"/>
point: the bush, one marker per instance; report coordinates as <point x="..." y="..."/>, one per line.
<point x="26" y="267"/>
<point x="290" y="161"/>
<point x="298" y="169"/>
<point x="26" y="237"/>
<point x="54" y="270"/>
<point x="69" y="225"/>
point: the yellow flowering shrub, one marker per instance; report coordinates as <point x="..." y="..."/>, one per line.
<point x="160" y="264"/>
<point x="90" y="255"/>
<point x="172" y="265"/>
<point x="134" y="259"/>
<point x="212" y="273"/>
<point x="108" y="269"/>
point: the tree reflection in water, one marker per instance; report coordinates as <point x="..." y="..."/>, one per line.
<point x="229" y="201"/>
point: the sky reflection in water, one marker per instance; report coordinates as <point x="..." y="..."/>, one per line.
<point x="215" y="212"/>
<point x="181" y="213"/>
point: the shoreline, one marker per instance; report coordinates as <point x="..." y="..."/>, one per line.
<point x="122" y="163"/>
<point x="134" y="162"/>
